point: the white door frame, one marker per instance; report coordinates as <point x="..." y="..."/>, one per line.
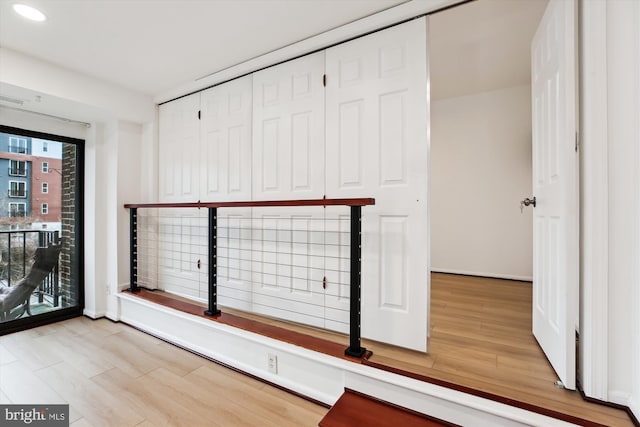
<point x="594" y="204"/>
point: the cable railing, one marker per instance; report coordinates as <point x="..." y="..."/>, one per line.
<point x="295" y="262"/>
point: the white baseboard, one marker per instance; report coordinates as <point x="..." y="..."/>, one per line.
<point x="483" y="274"/>
<point x="316" y="375"/>
<point x="93" y="314"/>
<point x="620" y="397"/>
<point x="634" y="405"/>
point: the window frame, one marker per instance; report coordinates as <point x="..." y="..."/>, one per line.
<point x="45" y="167"/>
<point x="19" y="150"/>
<point x="17" y="195"/>
<point x="44" y="209"/>
<point x="12" y="169"/>
<point x="77" y="255"/>
<point x="44" y="187"/>
<point x="24" y="210"/>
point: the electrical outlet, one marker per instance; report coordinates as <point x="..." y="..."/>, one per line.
<point x="272" y="363"/>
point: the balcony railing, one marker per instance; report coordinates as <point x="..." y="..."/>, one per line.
<point x="283" y="254"/>
<point x="17" y="248"/>
<point x="18" y="171"/>
<point x="18" y="194"/>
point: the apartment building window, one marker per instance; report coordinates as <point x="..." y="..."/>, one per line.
<point x="17" y="189"/>
<point x="17" y="168"/>
<point x="17" y="145"/>
<point x="17" y="210"/>
<point x="41" y="232"/>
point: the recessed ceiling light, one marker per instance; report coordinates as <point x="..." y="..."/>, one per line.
<point x="29" y="12"/>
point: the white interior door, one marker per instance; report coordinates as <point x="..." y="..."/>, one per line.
<point x="555" y="186"/>
<point x="179" y="241"/>
<point x="288" y="163"/>
<point x="225" y="175"/>
<point x="179" y="150"/>
<point x="226" y="141"/>
<point x="288" y="130"/>
<point x="377" y="146"/>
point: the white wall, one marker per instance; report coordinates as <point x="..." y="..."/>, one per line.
<point x="480" y="170"/>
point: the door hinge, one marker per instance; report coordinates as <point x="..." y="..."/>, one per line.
<point x="324" y="282"/>
<point x="324" y="80"/>
<point x="199" y="114"/>
<point x="577" y="143"/>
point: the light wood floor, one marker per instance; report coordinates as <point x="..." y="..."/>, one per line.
<point x="480" y="337"/>
<point x="113" y="375"/>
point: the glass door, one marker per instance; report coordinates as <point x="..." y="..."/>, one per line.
<point x="40" y="228"/>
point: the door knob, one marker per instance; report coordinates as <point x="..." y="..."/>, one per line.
<point x="527" y="202"/>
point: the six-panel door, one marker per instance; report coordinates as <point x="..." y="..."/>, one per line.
<point x="376" y="145"/>
<point x="288" y="163"/>
<point x="225" y="175"/>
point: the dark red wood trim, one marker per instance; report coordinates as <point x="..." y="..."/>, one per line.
<point x="281" y="334"/>
<point x="358" y="409"/>
<point x="402" y="408"/>
<point x="233" y="368"/>
<point x="258" y="203"/>
<point x="486" y="395"/>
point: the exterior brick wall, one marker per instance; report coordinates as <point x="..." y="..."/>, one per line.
<point x="68" y="289"/>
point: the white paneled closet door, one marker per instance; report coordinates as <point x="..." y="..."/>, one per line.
<point x="179" y="150"/>
<point x="288" y="163"/>
<point x="377" y="146"/>
<point x="180" y="243"/>
<point x="225" y="175"/>
<point x="226" y="141"/>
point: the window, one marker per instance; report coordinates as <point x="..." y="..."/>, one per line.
<point x="17" y="189"/>
<point x="17" y="209"/>
<point x="45" y="187"/>
<point x="44" y="209"/>
<point x="45" y="167"/>
<point x="17" y="145"/>
<point x="17" y="168"/>
<point x="45" y="146"/>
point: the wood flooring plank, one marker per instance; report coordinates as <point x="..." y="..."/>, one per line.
<point x="90" y="400"/>
<point x="263" y="401"/>
<point x="5" y="355"/>
<point x="19" y="383"/>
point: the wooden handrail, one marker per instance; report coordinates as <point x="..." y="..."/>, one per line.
<point x="258" y="203"/>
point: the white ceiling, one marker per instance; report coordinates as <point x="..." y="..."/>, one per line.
<point x="151" y="46"/>
<point x="482" y="46"/>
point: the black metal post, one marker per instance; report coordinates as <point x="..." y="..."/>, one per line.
<point x="56" y="284"/>
<point x="24" y="253"/>
<point x="9" y="259"/>
<point x="133" y="250"/>
<point x="213" y="263"/>
<point x="355" y="349"/>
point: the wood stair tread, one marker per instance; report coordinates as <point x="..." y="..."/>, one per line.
<point x="357" y="409"/>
